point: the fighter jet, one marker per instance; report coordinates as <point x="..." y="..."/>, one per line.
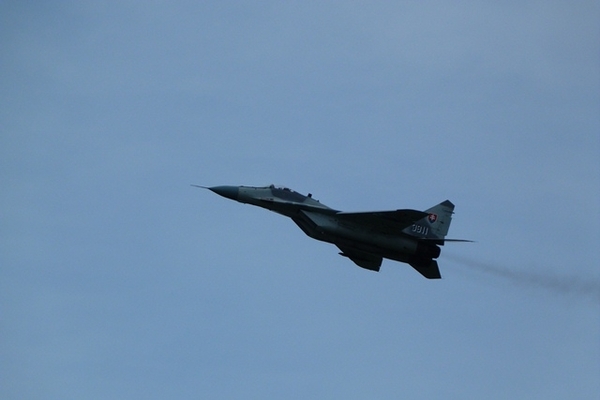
<point x="366" y="238"/>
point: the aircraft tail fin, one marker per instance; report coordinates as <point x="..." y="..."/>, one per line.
<point x="435" y="225"/>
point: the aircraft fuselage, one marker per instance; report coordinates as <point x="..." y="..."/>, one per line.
<point x="408" y="236"/>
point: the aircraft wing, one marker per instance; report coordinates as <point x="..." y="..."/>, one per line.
<point x="386" y="222"/>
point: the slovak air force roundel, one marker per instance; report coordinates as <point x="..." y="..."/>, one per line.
<point x="432" y="218"/>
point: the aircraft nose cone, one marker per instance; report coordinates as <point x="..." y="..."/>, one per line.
<point x="230" y="192"/>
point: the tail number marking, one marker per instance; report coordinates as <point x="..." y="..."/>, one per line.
<point x="420" y="229"/>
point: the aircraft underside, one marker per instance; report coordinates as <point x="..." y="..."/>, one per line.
<point x="367" y="250"/>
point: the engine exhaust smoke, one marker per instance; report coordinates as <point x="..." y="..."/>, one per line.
<point x="565" y="284"/>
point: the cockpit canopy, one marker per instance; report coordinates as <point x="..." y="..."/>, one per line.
<point x="280" y="187"/>
<point x="286" y="193"/>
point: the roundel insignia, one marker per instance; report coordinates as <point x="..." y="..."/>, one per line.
<point x="432" y="218"/>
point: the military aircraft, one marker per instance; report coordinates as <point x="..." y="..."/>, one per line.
<point x="366" y="238"/>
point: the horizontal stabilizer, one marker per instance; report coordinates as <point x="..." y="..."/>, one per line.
<point x="441" y="241"/>
<point x="428" y="269"/>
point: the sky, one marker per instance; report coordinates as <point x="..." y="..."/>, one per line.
<point x="119" y="280"/>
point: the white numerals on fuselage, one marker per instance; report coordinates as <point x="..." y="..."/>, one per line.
<point x="420" y="229"/>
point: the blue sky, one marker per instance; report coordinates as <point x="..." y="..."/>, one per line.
<point x="119" y="280"/>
